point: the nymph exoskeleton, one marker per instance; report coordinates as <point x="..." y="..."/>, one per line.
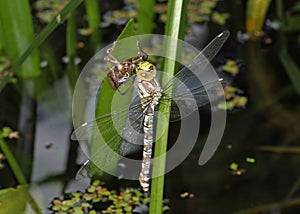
<point x="121" y="71"/>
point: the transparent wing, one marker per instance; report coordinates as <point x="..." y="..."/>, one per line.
<point x="112" y="135"/>
<point x="115" y="119"/>
<point x="85" y="171"/>
<point x="109" y="137"/>
<point x="211" y="50"/>
<point x="184" y="102"/>
<point x="190" y="93"/>
<point x="185" y="82"/>
<point x="200" y="62"/>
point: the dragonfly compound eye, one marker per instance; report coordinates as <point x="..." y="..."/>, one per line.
<point x="151" y="68"/>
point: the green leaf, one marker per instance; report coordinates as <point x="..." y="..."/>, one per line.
<point x="292" y="23"/>
<point x="231" y="67"/>
<point x="42" y="36"/>
<point x="72" y="70"/>
<point x="96" y="183"/>
<point x="14" y="200"/>
<point x="106" y="92"/>
<point x="12" y="162"/>
<point x="17" y="33"/>
<point x="93" y="15"/>
<point x="5" y="132"/>
<point x="296" y="7"/>
<point x="255" y="16"/>
<point x="78" y="210"/>
<point x="145" y="16"/>
<point x="291" y="68"/>
<point x="93" y="212"/>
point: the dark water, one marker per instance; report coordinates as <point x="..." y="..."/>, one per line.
<point x="271" y="118"/>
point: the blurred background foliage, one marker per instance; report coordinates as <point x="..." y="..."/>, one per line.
<point x="44" y="44"/>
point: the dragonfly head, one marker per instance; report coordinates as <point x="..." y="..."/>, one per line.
<point x="146" y="71"/>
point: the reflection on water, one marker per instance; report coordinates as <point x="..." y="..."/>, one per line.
<point x="52" y="144"/>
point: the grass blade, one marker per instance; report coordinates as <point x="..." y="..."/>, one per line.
<point x="71" y="50"/>
<point x="145" y="16"/>
<point x="255" y="16"/>
<point x="106" y="94"/>
<point x="12" y="162"/>
<point x="42" y="36"/>
<point x="17" y="33"/>
<point x="174" y="27"/>
<point x="93" y="14"/>
<point x="291" y="68"/>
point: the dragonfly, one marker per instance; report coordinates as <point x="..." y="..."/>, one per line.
<point x="133" y="125"/>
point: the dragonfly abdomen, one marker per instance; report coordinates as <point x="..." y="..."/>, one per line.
<point x="147" y="150"/>
<point x="150" y="93"/>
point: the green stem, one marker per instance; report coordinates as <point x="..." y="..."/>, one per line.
<point x="12" y="162"/>
<point x="93" y="14"/>
<point x="42" y="36"/>
<point x="33" y="204"/>
<point x="145" y="16"/>
<point x="279" y="8"/>
<point x="287" y="62"/>
<point x="71" y="50"/>
<point x="255" y="17"/>
<point x="17" y="33"/>
<point x="174" y="28"/>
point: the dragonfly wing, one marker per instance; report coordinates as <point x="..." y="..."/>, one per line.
<point x="190" y="93"/>
<point x="88" y="169"/>
<point x="84" y="171"/>
<point x="187" y="100"/>
<point x="133" y="131"/>
<point x="116" y="121"/>
<point x="103" y="137"/>
<point x="199" y="64"/>
<point x="211" y="50"/>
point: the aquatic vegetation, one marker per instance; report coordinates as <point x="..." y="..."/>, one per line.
<point x="48" y="9"/>
<point x="98" y="198"/>
<point x="199" y="11"/>
<point x="262" y="133"/>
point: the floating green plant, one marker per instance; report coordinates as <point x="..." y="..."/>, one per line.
<point x="197" y="12"/>
<point x="7" y="132"/>
<point x="231" y="67"/>
<point x="234" y="99"/>
<point x="47" y="10"/>
<point x="4" y="64"/>
<point x="98" y="198"/>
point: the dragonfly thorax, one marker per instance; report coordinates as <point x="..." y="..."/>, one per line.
<point x="149" y="89"/>
<point x="146" y="71"/>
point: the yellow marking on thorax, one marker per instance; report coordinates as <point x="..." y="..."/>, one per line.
<point x="146" y="71"/>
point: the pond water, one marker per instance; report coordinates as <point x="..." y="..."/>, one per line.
<point x="255" y="169"/>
